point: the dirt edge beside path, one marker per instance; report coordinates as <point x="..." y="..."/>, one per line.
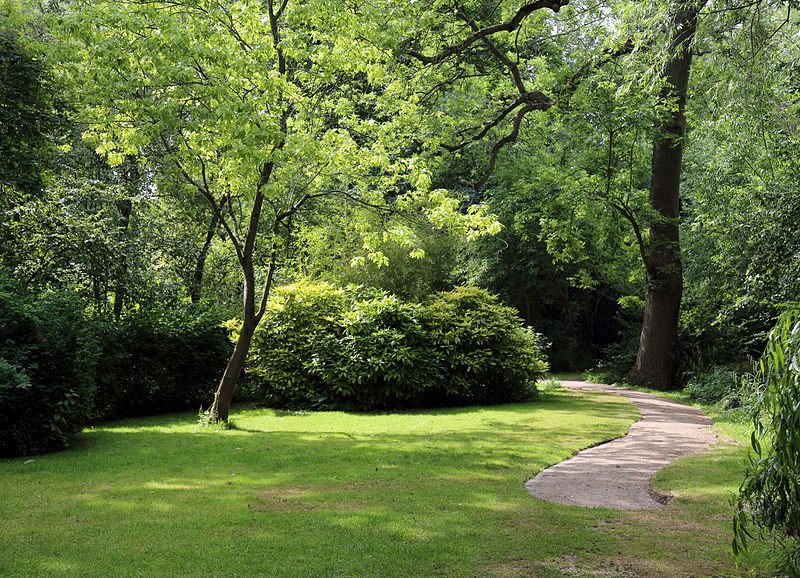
<point x="618" y="474"/>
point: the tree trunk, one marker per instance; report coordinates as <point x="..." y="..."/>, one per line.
<point x="125" y="207"/>
<point x="223" y="397"/>
<point x="656" y="361"/>
<point x="200" y="265"/>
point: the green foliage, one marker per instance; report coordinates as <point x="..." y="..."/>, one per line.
<point x="579" y="321"/>
<point x="298" y="321"/>
<point x="324" y="346"/>
<point x="26" y="111"/>
<point x="769" y="496"/>
<point x="59" y="370"/>
<point x="487" y="355"/>
<point x="383" y="355"/>
<point x="719" y="384"/>
<point x="46" y="363"/>
<point x="155" y="362"/>
<point x="740" y="201"/>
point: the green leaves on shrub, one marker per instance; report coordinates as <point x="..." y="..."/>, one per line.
<point x="380" y="357"/>
<point x="719" y="384"/>
<point x="326" y="346"/>
<point x="58" y="369"/>
<point x="299" y="318"/>
<point x="46" y="361"/>
<point x="159" y="361"/>
<point x="487" y="355"/>
<point x="769" y="496"/>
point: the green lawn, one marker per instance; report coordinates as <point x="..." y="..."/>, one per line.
<point x="326" y="494"/>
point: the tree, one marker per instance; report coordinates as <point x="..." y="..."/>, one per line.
<point x="27" y="113"/>
<point x="656" y="360"/>
<point x="520" y="43"/>
<point x="740" y="199"/>
<point x="264" y="109"/>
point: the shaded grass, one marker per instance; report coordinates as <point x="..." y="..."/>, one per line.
<point x="337" y="494"/>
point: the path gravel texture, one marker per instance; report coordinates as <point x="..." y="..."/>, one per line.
<point x="617" y="474"/>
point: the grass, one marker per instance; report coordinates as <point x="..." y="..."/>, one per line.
<point x="337" y="494"/>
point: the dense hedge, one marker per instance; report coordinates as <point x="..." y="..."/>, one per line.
<point x="60" y="370"/>
<point x="158" y="362"/>
<point x="326" y="346"/>
<point x="46" y="371"/>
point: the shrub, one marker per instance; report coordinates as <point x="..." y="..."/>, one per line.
<point x="487" y="354"/>
<point x="299" y="321"/>
<point x="382" y="357"/>
<point x="769" y="496"/>
<point x="46" y="362"/>
<point x="719" y="384"/>
<point x="323" y="346"/>
<point x="155" y="362"/>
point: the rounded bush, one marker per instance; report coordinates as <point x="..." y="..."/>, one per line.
<point x="326" y="346"/>
<point x="381" y="357"/>
<point x="488" y="356"/>
<point x="300" y="318"/>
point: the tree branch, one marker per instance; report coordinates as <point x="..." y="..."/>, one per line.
<point x="508" y="26"/>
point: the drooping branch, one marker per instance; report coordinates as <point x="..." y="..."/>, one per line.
<point x="532" y="101"/>
<point x="535" y="101"/>
<point x="498" y="146"/>
<point x="509" y="25"/>
<point x="628" y="214"/>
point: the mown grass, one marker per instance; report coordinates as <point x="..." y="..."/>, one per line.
<point x="337" y="494"/>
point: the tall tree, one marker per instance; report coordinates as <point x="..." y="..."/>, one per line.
<point x="656" y="360"/>
<point x="518" y="41"/>
<point x="265" y="109"/>
<point x="27" y="112"/>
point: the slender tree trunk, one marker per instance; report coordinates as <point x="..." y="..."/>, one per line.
<point x="656" y="361"/>
<point x="125" y="207"/>
<point x="223" y="397"/>
<point x="200" y="265"/>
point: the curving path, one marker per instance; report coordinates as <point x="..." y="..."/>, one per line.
<point x="617" y="474"/>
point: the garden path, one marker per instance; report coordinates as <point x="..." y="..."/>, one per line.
<point x="617" y="474"/>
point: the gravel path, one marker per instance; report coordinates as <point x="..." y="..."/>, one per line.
<point x="617" y="474"/>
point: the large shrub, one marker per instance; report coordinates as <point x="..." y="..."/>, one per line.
<point x="162" y="361"/>
<point x="382" y="356"/>
<point x="46" y="364"/>
<point x="488" y="356"/>
<point x="325" y="346"/>
<point x="769" y="496"/>
<point x="300" y="319"/>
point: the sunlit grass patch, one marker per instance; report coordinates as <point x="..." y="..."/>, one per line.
<point x="420" y="493"/>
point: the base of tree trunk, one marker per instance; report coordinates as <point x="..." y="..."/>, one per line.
<point x="657" y="360"/>
<point x="219" y="410"/>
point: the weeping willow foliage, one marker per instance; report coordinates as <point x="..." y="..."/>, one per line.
<point x="769" y="497"/>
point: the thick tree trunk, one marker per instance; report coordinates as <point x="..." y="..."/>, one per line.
<point x="656" y="361"/>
